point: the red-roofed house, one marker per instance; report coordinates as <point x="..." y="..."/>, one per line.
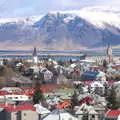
<point x="112" y="115"/>
<point x="25" y="111"/>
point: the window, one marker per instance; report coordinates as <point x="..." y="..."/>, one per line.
<point x="24" y="114"/>
<point x="9" y="97"/>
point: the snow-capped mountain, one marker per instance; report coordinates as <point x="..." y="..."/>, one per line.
<point x="86" y="28"/>
<point x="25" y="20"/>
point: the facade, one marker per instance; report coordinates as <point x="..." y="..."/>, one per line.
<point x="27" y="115"/>
<point x="17" y="97"/>
<point x="20" y="115"/>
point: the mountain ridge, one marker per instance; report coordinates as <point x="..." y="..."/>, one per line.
<point x="62" y="30"/>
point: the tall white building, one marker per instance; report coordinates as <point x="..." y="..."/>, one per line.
<point x="35" y="57"/>
<point x="109" y="53"/>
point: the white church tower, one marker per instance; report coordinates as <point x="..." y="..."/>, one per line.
<point x="35" y="58"/>
<point x="109" y="53"/>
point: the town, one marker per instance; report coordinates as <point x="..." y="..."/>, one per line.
<point x="47" y="89"/>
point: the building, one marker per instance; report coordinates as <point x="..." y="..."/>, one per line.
<point x="46" y="74"/>
<point x="25" y="111"/>
<point x="112" y="115"/>
<point x="109" y="53"/>
<point x="35" y="58"/>
<point x="59" y="115"/>
<point x="27" y="115"/>
<point x="93" y="75"/>
<point x="42" y="111"/>
<point x="87" y="112"/>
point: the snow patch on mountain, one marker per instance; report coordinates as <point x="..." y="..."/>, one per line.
<point x="25" y="20"/>
<point x="97" y="15"/>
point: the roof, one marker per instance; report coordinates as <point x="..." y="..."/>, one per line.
<point x="11" y="89"/>
<point x="59" y="115"/>
<point x="112" y="113"/>
<point x="41" y="110"/>
<point x="3" y="92"/>
<point x="111" y="81"/>
<point x="49" y="88"/>
<point x="91" y="73"/>
<point x="63" y="104"/>
<point x="97" y="84"/>
<point x="12" y="108"/>
<point x="86" y="99"/>
<point x="87" y="82"/>
<point x="26" y="91"/>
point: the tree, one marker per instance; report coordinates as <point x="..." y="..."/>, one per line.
<point x="74" y="99"/>
<point x="38" y="94"/>
<point x="111" y="98"/>
<point x="5" y="61"/>
<point x="105" y="63"/>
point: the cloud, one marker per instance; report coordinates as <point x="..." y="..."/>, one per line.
<point x="14" y="8"/>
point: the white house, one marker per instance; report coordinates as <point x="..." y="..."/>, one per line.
<point x="41" y="110"/>
<point x="59" y="115"/>
<point x="89" y="110"/>
<point x="101" y="76"/>
<point x="11" y="89"/>
<point x="17" y="97"/>
<point x="47" y="74"/>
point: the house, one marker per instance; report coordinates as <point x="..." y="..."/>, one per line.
<point x="63" y="104"/>
<point x="62" y="79"/>
<point x="42" y="111"/>
<point x="93" y="75"/>
<point x="59" y="115"/>
<point x="112" y="115"/>
<point x="88" y="61"/>
<point x="1" y="62"/>
<point x="47" y="74"/>
<point x="27" y="115"/>
<point x="87" y="111"/>
<point x="11" y="89"/>
<point x="97" y="87"/>
<point x="19" y="65"/>
<point x="89" y="75"/>
<point x="25" y="111"/>
<point x="17" y="97"/>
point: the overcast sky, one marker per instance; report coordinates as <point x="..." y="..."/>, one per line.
<point x="18" y="8"/>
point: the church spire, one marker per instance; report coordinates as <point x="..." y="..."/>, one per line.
<point x="34" y="52"/>
<point x="109" y="51"/>
<point x="35" y="58"/>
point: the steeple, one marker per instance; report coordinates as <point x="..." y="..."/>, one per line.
<point x="35" y="52"/>
<point x="35" y="58"/>
<point x="109" y="52"/>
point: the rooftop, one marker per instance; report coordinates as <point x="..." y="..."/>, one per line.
<point x="112" y="113"/>
<point x="12" y="108"/>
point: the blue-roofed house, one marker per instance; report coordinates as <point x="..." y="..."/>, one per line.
<point x="93" y="75"/>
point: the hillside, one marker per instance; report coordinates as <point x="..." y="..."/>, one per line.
<point x="90" y="27"/>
